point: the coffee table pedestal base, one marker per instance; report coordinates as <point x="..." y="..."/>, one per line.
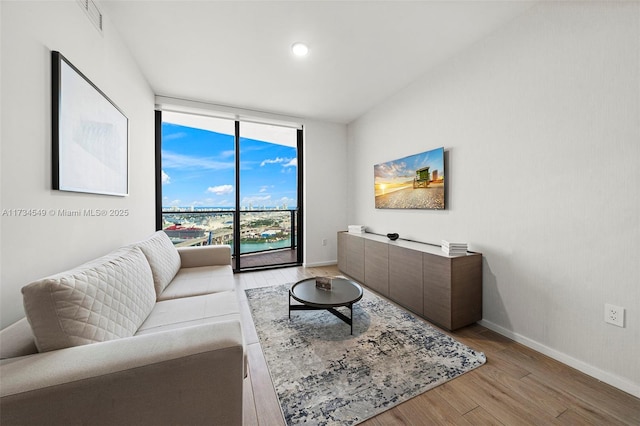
<point x="334" y="311"/>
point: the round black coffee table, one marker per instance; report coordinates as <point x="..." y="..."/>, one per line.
<point x="343" y="292"/>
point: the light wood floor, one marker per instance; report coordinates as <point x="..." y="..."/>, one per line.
<point x="517" y="386"/>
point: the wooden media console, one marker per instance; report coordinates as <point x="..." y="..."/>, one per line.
<point x="446" y="290"/>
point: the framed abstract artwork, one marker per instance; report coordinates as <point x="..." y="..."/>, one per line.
<point x="89" y="135"/>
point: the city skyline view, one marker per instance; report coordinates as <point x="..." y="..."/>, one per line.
<point x="198" y="169"/>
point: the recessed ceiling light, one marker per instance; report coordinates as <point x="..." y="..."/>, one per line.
<point x="299" y="49"/>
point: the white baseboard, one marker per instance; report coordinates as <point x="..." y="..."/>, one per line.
<point x="604" y="376"/>
<point x="314" y="264"/>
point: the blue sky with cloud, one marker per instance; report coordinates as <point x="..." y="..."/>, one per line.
<point x="198" y="169"/>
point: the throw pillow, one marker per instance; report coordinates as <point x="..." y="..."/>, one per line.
<point x="163" y="258"/>
<point x="105" y="299"/>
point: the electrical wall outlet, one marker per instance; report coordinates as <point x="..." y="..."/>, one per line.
<point x="614" y="315"/>
<point x="324" y="241"/>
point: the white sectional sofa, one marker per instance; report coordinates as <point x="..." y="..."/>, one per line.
<point x="146" y="335"/>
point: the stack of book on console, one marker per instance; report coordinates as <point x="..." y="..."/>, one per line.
<point x="454" y="249"/>
<point x="356" y="229"/>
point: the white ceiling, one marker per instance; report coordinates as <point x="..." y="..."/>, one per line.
<point x="237" y="53"/>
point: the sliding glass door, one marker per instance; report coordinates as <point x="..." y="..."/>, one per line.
<point x="268" y="164"/>
<point x="223" y="181"/>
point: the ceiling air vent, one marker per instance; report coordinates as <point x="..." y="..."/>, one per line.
<point x="93" y="12"/>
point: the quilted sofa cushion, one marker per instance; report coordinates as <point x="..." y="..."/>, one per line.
<point x="105" y="299"/>
<point x="163" y="258"/>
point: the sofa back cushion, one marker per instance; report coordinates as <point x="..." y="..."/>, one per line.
<point x="105" y="299"/>
<point x="163" y="258"/>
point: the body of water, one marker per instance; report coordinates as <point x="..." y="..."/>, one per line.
<point x="254" y="247"/>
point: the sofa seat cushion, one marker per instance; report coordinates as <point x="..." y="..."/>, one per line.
<point x="163" y="258"/>
<point x="189" y="311"/>
<point x="105" y="299"/>
<point x="198" y="281"/>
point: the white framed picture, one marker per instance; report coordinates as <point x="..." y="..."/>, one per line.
<point x="89" y="135"/>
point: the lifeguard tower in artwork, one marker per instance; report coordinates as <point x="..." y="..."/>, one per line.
<point x="422" y="178"/>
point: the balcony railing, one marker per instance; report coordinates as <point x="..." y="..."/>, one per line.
<point x="260" y="230"/>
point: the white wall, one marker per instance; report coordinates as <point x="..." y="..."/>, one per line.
<point x="325" y="194"/>
<point x="33" y="247"/>
<point x="541" y="125"/>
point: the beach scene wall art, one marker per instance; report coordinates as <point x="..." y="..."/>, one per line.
<point x="413" y="182"/>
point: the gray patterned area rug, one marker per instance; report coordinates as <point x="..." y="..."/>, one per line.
<point x="325" y="376"/>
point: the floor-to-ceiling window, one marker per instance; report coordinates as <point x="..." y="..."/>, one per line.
<point x="227" y="181"/>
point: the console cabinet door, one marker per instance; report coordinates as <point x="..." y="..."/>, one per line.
<point x="376" y="266"/>
<point x="466" y="290"/>
<point x="405" y="278"/>
<point x="342" y="252"/>
<point x="355" y="257"/>
<point x="437" y="290"/>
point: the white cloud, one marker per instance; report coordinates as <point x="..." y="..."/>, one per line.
<point x="228" y="154"/>
<point x="172" y="160"/>
<point x="256" y="199"/>
<point x="286" y="200"/>
<point x="221" y="189"/>
<point x="286" y="162"/>
<point x="274" y="161"/>
<point x="173" y="136"/>
<point x="166" y="179"/>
